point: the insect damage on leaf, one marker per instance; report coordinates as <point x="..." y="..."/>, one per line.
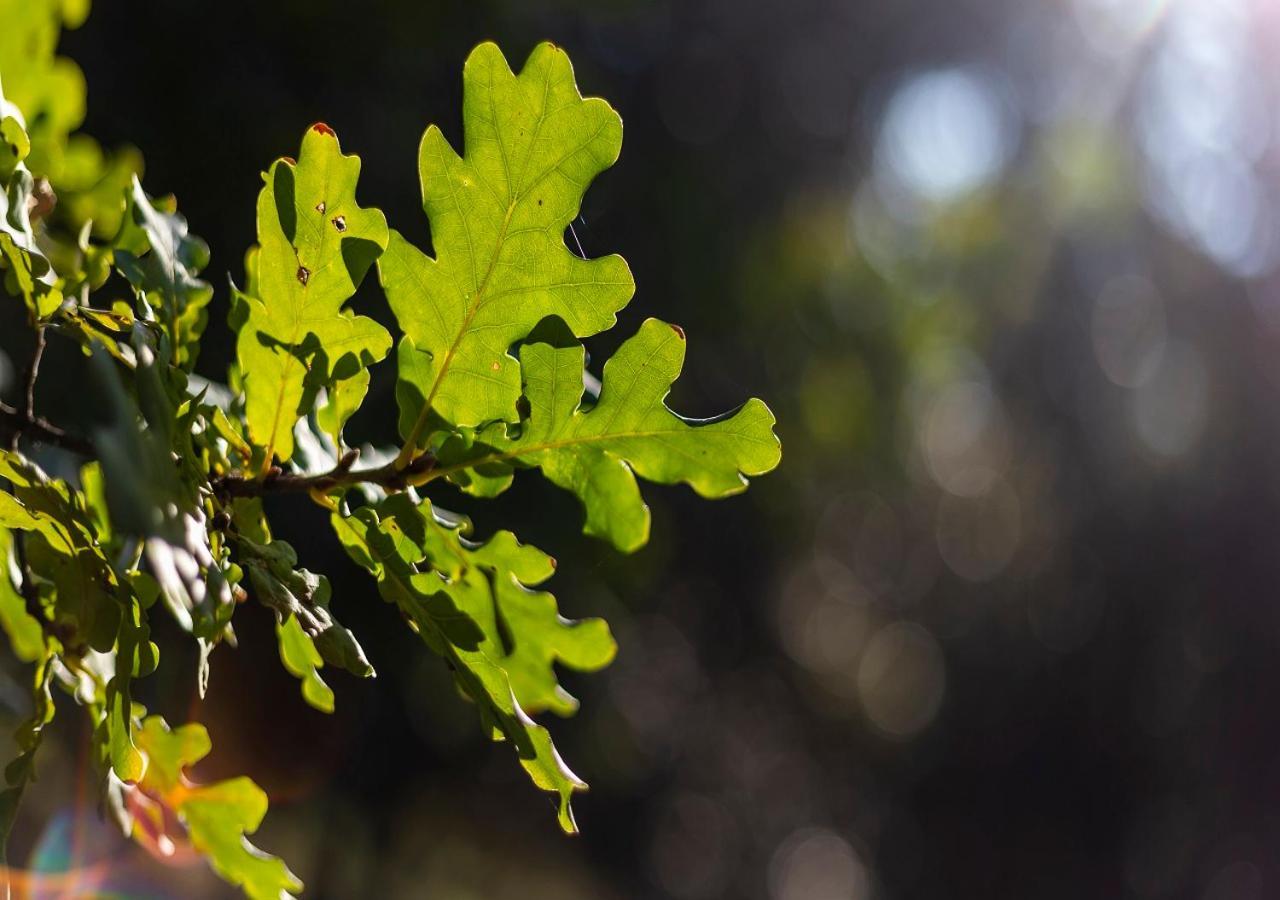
<point x="297" y="337"/>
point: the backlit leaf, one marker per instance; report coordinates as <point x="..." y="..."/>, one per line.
<point x="217" y="816"/>
<point x="498" y="216"/>
<point x="26" y="637"/>
<point x="597" y="453"/>
<point x="21" y="771"/>
<point x="316" y="246"/>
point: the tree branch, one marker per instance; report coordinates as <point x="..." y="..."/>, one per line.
<point x="15" y="425"/>
<point x="277" y="481"/>
<point x="32" y="373"/>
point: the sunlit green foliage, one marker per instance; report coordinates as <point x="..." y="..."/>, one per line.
<point x="164" y="501"/>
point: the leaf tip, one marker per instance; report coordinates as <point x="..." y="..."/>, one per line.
<point x="322" y="128"/>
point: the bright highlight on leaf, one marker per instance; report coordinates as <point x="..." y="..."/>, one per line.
<point x="217" y="816"/>
<point x="316" y="244"/>
<point x="162" y="504"/>
<point x="498" y="217"/>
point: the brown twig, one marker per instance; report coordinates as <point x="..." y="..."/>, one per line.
<point x="15" y="424"/>
<point x="32" y="373"/>
<point x="277" y="481"/>
<point x="19" y="423"/>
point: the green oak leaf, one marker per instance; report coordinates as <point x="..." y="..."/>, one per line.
<point x="14" y="144"/>
<point x="64" y="550"/>
<point x="299" y="655"/>
<point x="490" y="582"/>
<point x="149" y="498"/>
<point x="597" y="453"/>
<point x="136" y="656"/>
<point x="78" y="584"/>
<point x="26" y="636"/>
<point x="24" y="276"/>
<point x="75" y="579"/>
<point x="157" y="254"/>
<point x="498" y="216"/>
<point x="316" y="244"/>
<point x="217" y="816"/>
<point x="307" y="632"/>
<point x="94" y="185"/>
<point x="50" y="91"/>
<point x="48" y="88"/>
<point x="395" y="544"/>
<point x="27" y="271"/>
<point x="21" y="771"/>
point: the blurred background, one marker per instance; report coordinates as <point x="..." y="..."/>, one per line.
<point x="1003" y="624"/>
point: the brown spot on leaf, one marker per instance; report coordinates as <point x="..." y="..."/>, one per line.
<point x="304" y="275"/>
<point x="289" y="159"/>
<point x="552" y="560"/>
<point x="539" y="201"/>
<point x="320" y="207"/>
<point x="679" y="331"/>
<point x="496" y="365"/>
<point x="340" y="223"/>
<point x="323" y="129"/>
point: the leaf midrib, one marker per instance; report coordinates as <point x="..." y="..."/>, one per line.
<point x="516" y="192"/>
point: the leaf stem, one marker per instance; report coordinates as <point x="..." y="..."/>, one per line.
<point x="33" y="372"/>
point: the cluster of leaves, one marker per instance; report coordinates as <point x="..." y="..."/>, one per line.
<point x="168" y="503"/>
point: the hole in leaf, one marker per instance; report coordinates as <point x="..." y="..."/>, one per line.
<point x="340" y="223"/>
<point x="304" y="275"/>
